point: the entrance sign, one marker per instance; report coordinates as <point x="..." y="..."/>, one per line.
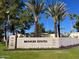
<point x="41" y="42"/>
<point x="45" y="42"/>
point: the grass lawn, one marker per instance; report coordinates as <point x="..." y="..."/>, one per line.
<point x="71" y="53"/>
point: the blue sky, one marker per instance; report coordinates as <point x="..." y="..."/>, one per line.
<point x="73" y="7"/>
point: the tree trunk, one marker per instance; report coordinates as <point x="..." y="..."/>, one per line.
<point x="16" y="40"/>
<point x="13" y="29"/>
<point x="55" y="29"/>
<point x="77" y="30"/>
<point x="55" y="26"/>
<point x="36" y="26"/>
<point x="58" y="28"/>
<point x="5" y="33"/>
<point x="6" y="36"/>
<point x="13" y="32"/>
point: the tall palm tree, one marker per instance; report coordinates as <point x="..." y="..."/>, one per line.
<point x="35" y="7"/>
<point x="58" y="12"/>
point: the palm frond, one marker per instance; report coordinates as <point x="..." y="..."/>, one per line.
<point x="35" y="6"/>
<point x="58" y="9"/>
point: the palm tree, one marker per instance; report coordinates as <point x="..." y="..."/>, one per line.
<point x="35" y="7"/>
<point x="58" y="12"/>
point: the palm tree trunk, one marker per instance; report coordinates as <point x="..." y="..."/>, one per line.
<point x="55" y="29"/>
<point x="36" y="26"/>
<point x="58" y="28"/>
<point x="55" y="26"/>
